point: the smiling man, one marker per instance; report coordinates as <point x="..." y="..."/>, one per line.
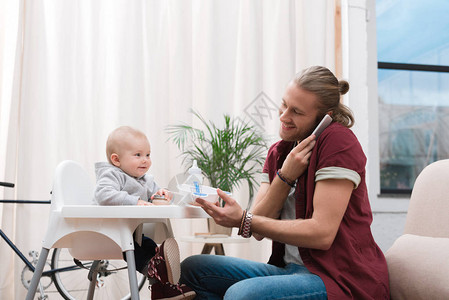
<point x="312" y="203"/>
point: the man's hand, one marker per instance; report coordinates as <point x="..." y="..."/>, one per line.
<point x="297" y="160"/>
<point x="229" y="216"/>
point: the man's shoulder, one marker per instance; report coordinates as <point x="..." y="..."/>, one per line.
<point x="337" y="127"/>
<point x="339" y="146"/>
<point x="337" y="134"/>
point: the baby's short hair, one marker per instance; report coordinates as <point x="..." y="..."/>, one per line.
<point x="118" y="137"/>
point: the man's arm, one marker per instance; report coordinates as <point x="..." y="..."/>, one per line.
<point x="261" y="194"/>
<point x="271" y="198"/>
<point x="330" y="201"/>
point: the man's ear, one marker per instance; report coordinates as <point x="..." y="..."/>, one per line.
<point x="115" y="159"/>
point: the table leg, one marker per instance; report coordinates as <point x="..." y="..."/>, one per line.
<point x="218" y="248"/>
<point x="207" y="248"/>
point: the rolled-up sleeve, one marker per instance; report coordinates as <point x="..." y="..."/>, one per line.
<point x="338" y="173"/>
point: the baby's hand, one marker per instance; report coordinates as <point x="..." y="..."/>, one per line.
<point x="141" y="202"/>
<point x="164" y="193"/>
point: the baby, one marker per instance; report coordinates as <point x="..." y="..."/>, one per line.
<point x="123" y="181"/>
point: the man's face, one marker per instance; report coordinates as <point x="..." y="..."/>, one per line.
<point x="298" y="113"/>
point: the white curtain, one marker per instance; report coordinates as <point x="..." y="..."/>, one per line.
<point x="72" y="71"/>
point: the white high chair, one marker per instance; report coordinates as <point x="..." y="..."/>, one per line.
<point x="101" y="233"/>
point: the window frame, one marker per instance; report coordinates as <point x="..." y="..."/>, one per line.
<point x="406" y="67"/>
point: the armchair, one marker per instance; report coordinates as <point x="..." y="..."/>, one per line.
<point x="418" y="261"/>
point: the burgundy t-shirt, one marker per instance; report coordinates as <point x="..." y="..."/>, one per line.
<point x="354" y="267"/>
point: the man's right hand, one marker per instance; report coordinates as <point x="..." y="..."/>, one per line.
<point x="297" y="160"/>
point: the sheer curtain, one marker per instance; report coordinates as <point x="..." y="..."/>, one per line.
<point x="72" y="71"/>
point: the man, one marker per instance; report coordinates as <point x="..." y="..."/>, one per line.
<point x="312" y="203"/>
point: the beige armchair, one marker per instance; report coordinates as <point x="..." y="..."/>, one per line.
<point x="418" y="261"/>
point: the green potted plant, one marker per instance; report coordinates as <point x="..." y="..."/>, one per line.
<point x="227" y="155"/>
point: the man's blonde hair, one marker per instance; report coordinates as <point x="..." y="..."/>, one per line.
<point x="323" y="83"/>
<point x="119" y="138"/>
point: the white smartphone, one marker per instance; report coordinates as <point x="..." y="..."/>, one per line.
<point x="322" y="125"/>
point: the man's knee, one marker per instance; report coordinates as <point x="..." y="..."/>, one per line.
<point x="188" y="267"/>
<point x="241" y="290"/>
<point x="190" y="262"/>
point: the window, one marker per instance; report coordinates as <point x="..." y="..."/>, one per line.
<point x="413" y="89"/>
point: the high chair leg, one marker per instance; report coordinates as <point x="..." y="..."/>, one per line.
<point x="93" y="279"/>
<point x="132" y="274"/>
<point x="37" y="274"/>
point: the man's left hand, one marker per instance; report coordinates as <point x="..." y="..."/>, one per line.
<point x="229" y="216"/>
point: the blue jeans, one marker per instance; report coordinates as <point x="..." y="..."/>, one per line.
<point x="218" y="277"/>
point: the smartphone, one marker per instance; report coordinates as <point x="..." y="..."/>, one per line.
<point x="323" y="124"/>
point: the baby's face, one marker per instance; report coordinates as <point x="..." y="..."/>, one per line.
<point x="135" y="157"/>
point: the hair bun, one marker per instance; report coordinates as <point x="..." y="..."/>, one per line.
<point x="343" y="86"/>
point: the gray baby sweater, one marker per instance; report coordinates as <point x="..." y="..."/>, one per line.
<point x="115" y="187"/>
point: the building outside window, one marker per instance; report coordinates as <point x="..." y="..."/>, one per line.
<point x="413" y="89"/>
